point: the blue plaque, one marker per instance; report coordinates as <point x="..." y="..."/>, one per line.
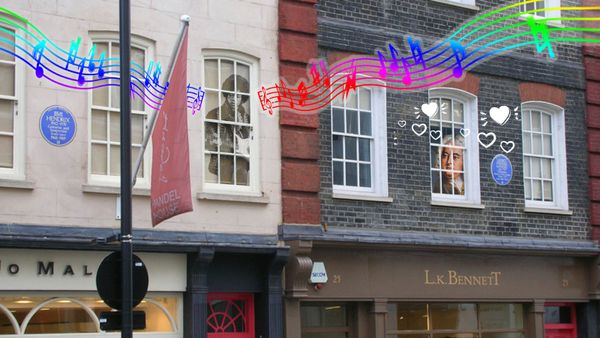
<point x="502" y="170"/>
<point x="58" y="126"/>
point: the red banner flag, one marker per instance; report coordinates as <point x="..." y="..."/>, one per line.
<point x="170" y="192"/>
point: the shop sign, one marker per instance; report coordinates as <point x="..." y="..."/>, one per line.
<point x="452" y="277"/>
<point x="318" y="274"/>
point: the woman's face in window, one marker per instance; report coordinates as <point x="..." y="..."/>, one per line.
<point x="452" y="159"/>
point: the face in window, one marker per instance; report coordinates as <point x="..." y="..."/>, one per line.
<point x="451" y="156"/>
<point x="231" y="99"/>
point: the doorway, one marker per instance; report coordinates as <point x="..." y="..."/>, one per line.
<point x="230" y="315"/>
<point x="560" y="320"/>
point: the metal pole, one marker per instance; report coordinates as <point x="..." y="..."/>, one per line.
<point x="126" y="238"/>
<point x="185" y="19"/>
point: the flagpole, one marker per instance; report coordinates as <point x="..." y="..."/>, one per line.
<point x="185" y="19"/>
<point x="126" y="216"/>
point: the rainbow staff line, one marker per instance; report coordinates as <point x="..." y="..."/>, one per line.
<point x="68" y="69"/>
<point x="457" y="53"/>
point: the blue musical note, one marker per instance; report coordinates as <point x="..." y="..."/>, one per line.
<point x="38" y="52"/>
<point x="460" y="54"/>
<point x="73" y="51"/>
<point x="91" y="66"/>
<point x="415" y="50"/>
<point x="155" y="76"/>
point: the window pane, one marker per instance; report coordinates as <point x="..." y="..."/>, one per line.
<point x="527" y="143"/>
<point x="537" y="144"/>
<point x="4" y="35"/>
<point x="547" y="168"/>
<point x="115" y="160"/>
<point x="244" y="72"/>
<point x="546" y="123"/>
<point x="7" y="85"/>
<point x="243" y="113"/>
<point x="98" y="125"/>
<point x="338" y="173"/>
<point x="557" y="315"/>
<point x="6" y="151"/>
<point x="5" y="324"/>
<point x="526" y="122"/>
<point x="435" y="133"/>
<point x="338" y="146"/>
<point x="61" y="318"/>
<point x="211" y="73"/>
<point x="407" y="316"/>
<point x="212" y="168"/>
<point x="436" y="115"/>
<point x="242" y="170"/>
<point x="350" y="148"/>
<point x="365" y="175"/>
<point x="227" y="107"/>
<point x="364" y="149"/>
<point x="6" y="115"/>
<point x="453" y="316"/>
<point x="526" y="167"/>
<point x="500" y="316"/>
<point x="137" y="128"/>
<point x="351" y="122"/>
<point x="211" y="137"/>
<point x="351" y="100"/>
<point x="226" y="169"/>
<point x="527" y="185"/>
<point x="115" y="127"/>
<point x="338" y="120"/>
<point x="138" y="56"/>
<point x="351" y="174"/>
<point x="323" y="316"/>
<point x="365" y="123"/>
<point x="365" y="99"/>
<point x="536" y="166"/>
<point x="212" y="105"/>
<point x="459" y="115"/>
<point x="135" y="152"/>
<point x="99" y="159"/>
<point x="548" y="191"/>
<point x="445" y="109"/>
<point x="536" y="124"/>
<point x="243" y="136"/>
<point x="537" y="190"/>
<point x="436" y="186"/>
<point x="547" y="145"/>
<point x="226" y="72"/>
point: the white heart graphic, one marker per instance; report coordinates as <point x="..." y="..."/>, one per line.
<point x="438" y="132"/>
<point x="507" y="144"/>
<point x="487" y="135"/>
<point x="417" y="126"/>
<point x="465" y="132"/>
<point x="500" y="115"/>
<point x="429" y="108"/>
<point x="402" y="123"/>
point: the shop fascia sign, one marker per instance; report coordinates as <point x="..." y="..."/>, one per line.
<point x="47" y="268"/>
<point x="318" y="274"/>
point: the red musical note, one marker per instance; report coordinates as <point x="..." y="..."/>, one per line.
<point x="38" y="52"/>
<point x="303" y="93"/>
<point x="284" y="92"/>
<point x="265" y="103"/>
<point x="460" y="54"/>
<point x="350" y="81"/>
<point x="316" y="76"/>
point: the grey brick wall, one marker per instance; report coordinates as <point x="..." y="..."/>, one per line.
<point x="363" y="27"/>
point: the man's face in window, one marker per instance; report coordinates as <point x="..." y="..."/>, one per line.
<point x="232" y="98"/>
<point x="452" y="159"/>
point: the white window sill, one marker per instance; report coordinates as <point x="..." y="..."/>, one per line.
<point x="552" y="23"/>
<point x="103" y="189"/>
<point x="347" y="196"/>
<point x="454" y="204"/>
<point x="548" y="211"/>
<point x="457" y="4"/>
<point x="262" y="199"/>
<point x="16" y="184"/>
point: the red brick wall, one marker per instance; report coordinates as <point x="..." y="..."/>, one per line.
<point x="300" y="173"/>
<point x="542" y="92"/>
<point x="591" y="61"/>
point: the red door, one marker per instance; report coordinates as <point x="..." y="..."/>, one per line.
<point x="560" y="320"/>
<point x="230" y="315"/>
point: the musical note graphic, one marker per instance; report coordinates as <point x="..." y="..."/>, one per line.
<point x="459" y="54"/>
<point x="38" y="52"/>
<point x="89" y="58"/>
<point x="350" y="82"/>
<point x="394" y="67"/>
<point x="540" y="28"/>
<point x="73" y="51"/>
<point x="197" y="94"/>
<point x="316" y="76"/>
<point x="303" y="93"/>
<point x="284" y="92"/>
<point x="415" y="50"/>
<point x="406" y="77"/>
<point x="265" y="103"/>
<point x="155" y="75"/>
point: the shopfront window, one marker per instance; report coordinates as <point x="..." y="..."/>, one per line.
<point x="37" y="315"/>
<point x="454" y="320"/>
<point x="325" y="320"/>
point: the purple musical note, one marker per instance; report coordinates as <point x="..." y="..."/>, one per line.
<point x="406" y="79"/>
<point x="38" y="52"/>
<point x="460" y="54"/>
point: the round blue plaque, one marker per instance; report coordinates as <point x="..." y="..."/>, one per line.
<point x="502" y="170"/>
<point x="58" y="126"/>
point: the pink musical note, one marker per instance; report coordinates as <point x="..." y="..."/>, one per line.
<point x="383" y="69"/>
<point x="38" y="52"/>
<point x="406" y="79"/>
<point x="460" y="54"/>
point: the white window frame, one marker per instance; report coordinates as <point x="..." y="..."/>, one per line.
<point x="17" y="172"/>
<point x="254" y="186"/>
<point x="379" y="154"/>
<point x="472" y="196"/>
<point x="560" y="191"/>
<point x="548" y="14"/>
<point x="107" y="180"/>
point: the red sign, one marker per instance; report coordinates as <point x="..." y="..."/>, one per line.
<point x="170" y="192"/>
